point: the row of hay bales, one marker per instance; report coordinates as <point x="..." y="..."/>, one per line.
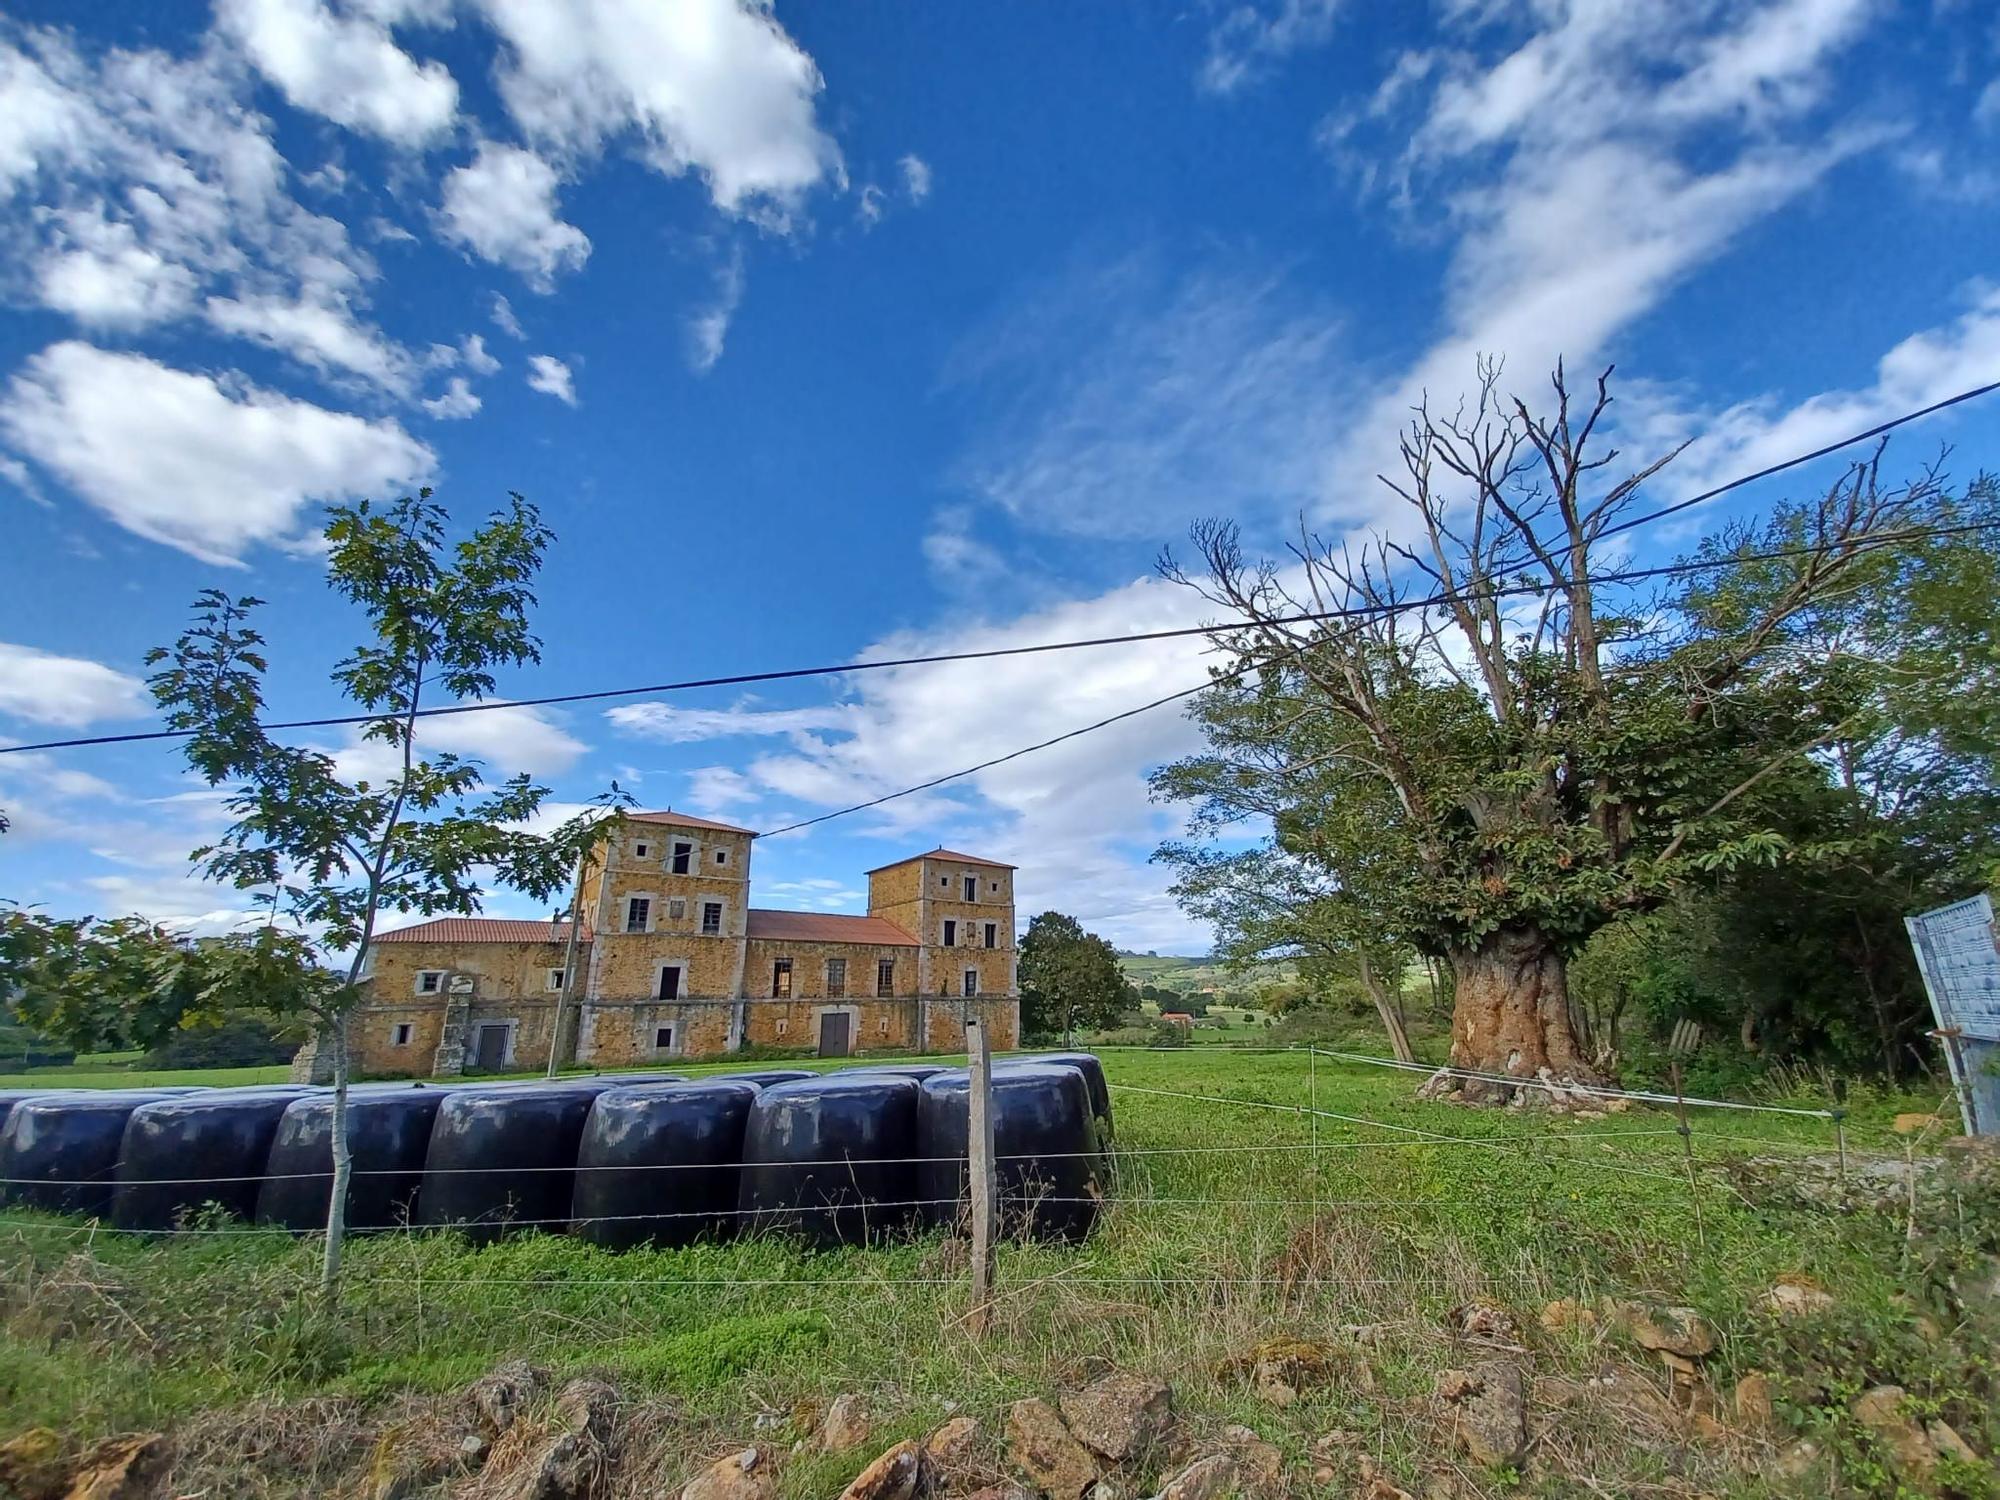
<point x="621" y="1159"/>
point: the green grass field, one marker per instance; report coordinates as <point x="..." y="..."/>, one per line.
<point x="1234" y="1218"/>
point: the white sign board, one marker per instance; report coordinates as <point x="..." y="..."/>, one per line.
<point x="1960" y="959"/>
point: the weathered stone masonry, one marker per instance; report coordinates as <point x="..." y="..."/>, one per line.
<point x="662" y="956"/>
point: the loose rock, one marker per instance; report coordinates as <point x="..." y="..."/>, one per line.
<point x="1797" y="1460"/>
<point x="741" y="1476"/>
<point x="1258" y="1462"/>
<point x="1566" y="1313"/>
<point x="567" y="1459"/>
<point x="1119" y="1416"/>
<point x="503" y="1393"/>
<point x="953" y="1446"/>
<point x="1752" y="1401"/>
<point x="31" y="1465"/>
<point x="1492" y="1412"/>
<point x="1044" y="1450"/>
<point x="893" y="1476"/>
<point x="1880" y="1410"/>
<point x="123" y="1468"/>
<point x="1375" y="1485"/>
<point x="1484" y="1319"/>
<point x="1211" y="1478"/>
<point x="1674" y="1330"/>
<point x="1797" y="1297"/>
<point x="846" y="1425"/>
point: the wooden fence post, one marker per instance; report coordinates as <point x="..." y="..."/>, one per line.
<point x="984" y="1183"/>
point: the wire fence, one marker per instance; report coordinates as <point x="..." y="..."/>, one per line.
<point x="1317" y="1169"/>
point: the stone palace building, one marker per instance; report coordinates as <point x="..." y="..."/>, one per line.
<point x="662" y="956"/>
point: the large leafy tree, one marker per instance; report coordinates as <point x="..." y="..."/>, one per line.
<point x="1069" y="978"/>
<point x="1497" y="752"/>
<point x="330" y="853"/>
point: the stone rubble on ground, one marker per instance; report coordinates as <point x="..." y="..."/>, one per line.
<point x="1797" y="1297"/>
<point x="1489" y="1405"/>
<point x="1914" y="1448"/>
<point x="846" y="1425"/>
<point x="1118" y="1416"/>
<point x="1044" y="1450"/>
<point x="1212" y="1478"/>
<point x="744" y="1475"/>
<point x="892" y="1476"/>
<point x="954" y="1446"/>
<point x="121" y="1468"/>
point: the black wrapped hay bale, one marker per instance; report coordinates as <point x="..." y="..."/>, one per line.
<point x="662" y="1165"/>
<point x="505" y="1158"/>
<point x="181" y="1153"/>
<point x="11" y="1097"/>
<point x="60" y="1150"/>
<point x="388" y="1137"/>
<point x="770" y="1076"/>
<point x="1051" y="1178"/>
<point x="829" y="1158"/>
<point x="918" y="1071"/>
<point x="1093" y="1075"/>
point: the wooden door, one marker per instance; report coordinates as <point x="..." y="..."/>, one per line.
<point x="835" y="1038"/>
<point x="491" y="1052"/>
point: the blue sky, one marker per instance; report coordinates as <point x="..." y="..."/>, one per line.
<point x="822" y="332"/>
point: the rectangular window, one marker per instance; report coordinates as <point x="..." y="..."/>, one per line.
<point x="429" y="981"/>
<point x="399" y="1034"/>
<point x="555" y="981"/>
<point x="670" y="982"/>
<point x="994" y="886"/>
<point x="781" y="979"/>
<point x="638" y="914"/>
<point x="950" y="933"/>
<point x="683" y="857"/>
<point x="722" y="856"/>
<point x="992" y="934"/>
<point x="711" y="918"/>
<point x="782" y="1027"/>
<point x="885" y="976"/>
<point x="969" y="983"/>
<point x="639" y="850"/>
<point x="836" y="977"/>
<point x="677" y="908"/>
<point x="663" y="1038"/>
<point x="972" y="887"/>
<point x="945" y="881"/>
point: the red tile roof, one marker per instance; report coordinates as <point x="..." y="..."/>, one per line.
<point x="825" y="927"/>
<point x="480" y="930"/>
<point x="946" y="854"/>
<point x="686" y="820"/>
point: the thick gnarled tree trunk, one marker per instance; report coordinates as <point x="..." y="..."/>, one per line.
<point x="1511" y="1014"/>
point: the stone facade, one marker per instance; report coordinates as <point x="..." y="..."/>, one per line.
<point x="662" y="957"/>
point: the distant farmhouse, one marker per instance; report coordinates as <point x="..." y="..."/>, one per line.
<point x="663" y="956"/>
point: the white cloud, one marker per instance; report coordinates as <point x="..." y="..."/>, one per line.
<point x="916" y="177"/>
<point x="98" y="273"/>
<point x="155" y="188"/>
<point x="715" y="790"/>
<point x="712" y="86"/>
<point x="1921" y="370"/>
<point x="456" y="402"/>
<point x="68" y="691"/>
<point x="1587" y="168"/>
<point x="502" y="207"/>
<point x="1077" y="818"/>
<point x="1253" y="38"/>
<point x="321" y="333"/>
<point x="345" y="67"/>
<point x="683" y="726"/>
<point x="868" y="205"/>
<point x="709" y="327"/>
<point x="472" y="349"/>
<point x="191" y="461"/>
<point x="1128" y="403"/>
<point x="506" y="740"/>
<point x="551" y="377"/>
<point x="502" y="313"/>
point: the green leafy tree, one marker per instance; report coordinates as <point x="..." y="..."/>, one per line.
<point x="1069" y="978"/>
<point x="1493" y="778"/>
<point x="333" y="854"/>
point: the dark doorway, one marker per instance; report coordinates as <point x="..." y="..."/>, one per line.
<point x="835" y="1028"/>
<point x="670" y="982"/>
<point x="490" y="1049"/>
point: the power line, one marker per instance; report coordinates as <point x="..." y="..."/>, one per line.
<point x="1637" y="575"/>
<point x="792" y="674"/>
